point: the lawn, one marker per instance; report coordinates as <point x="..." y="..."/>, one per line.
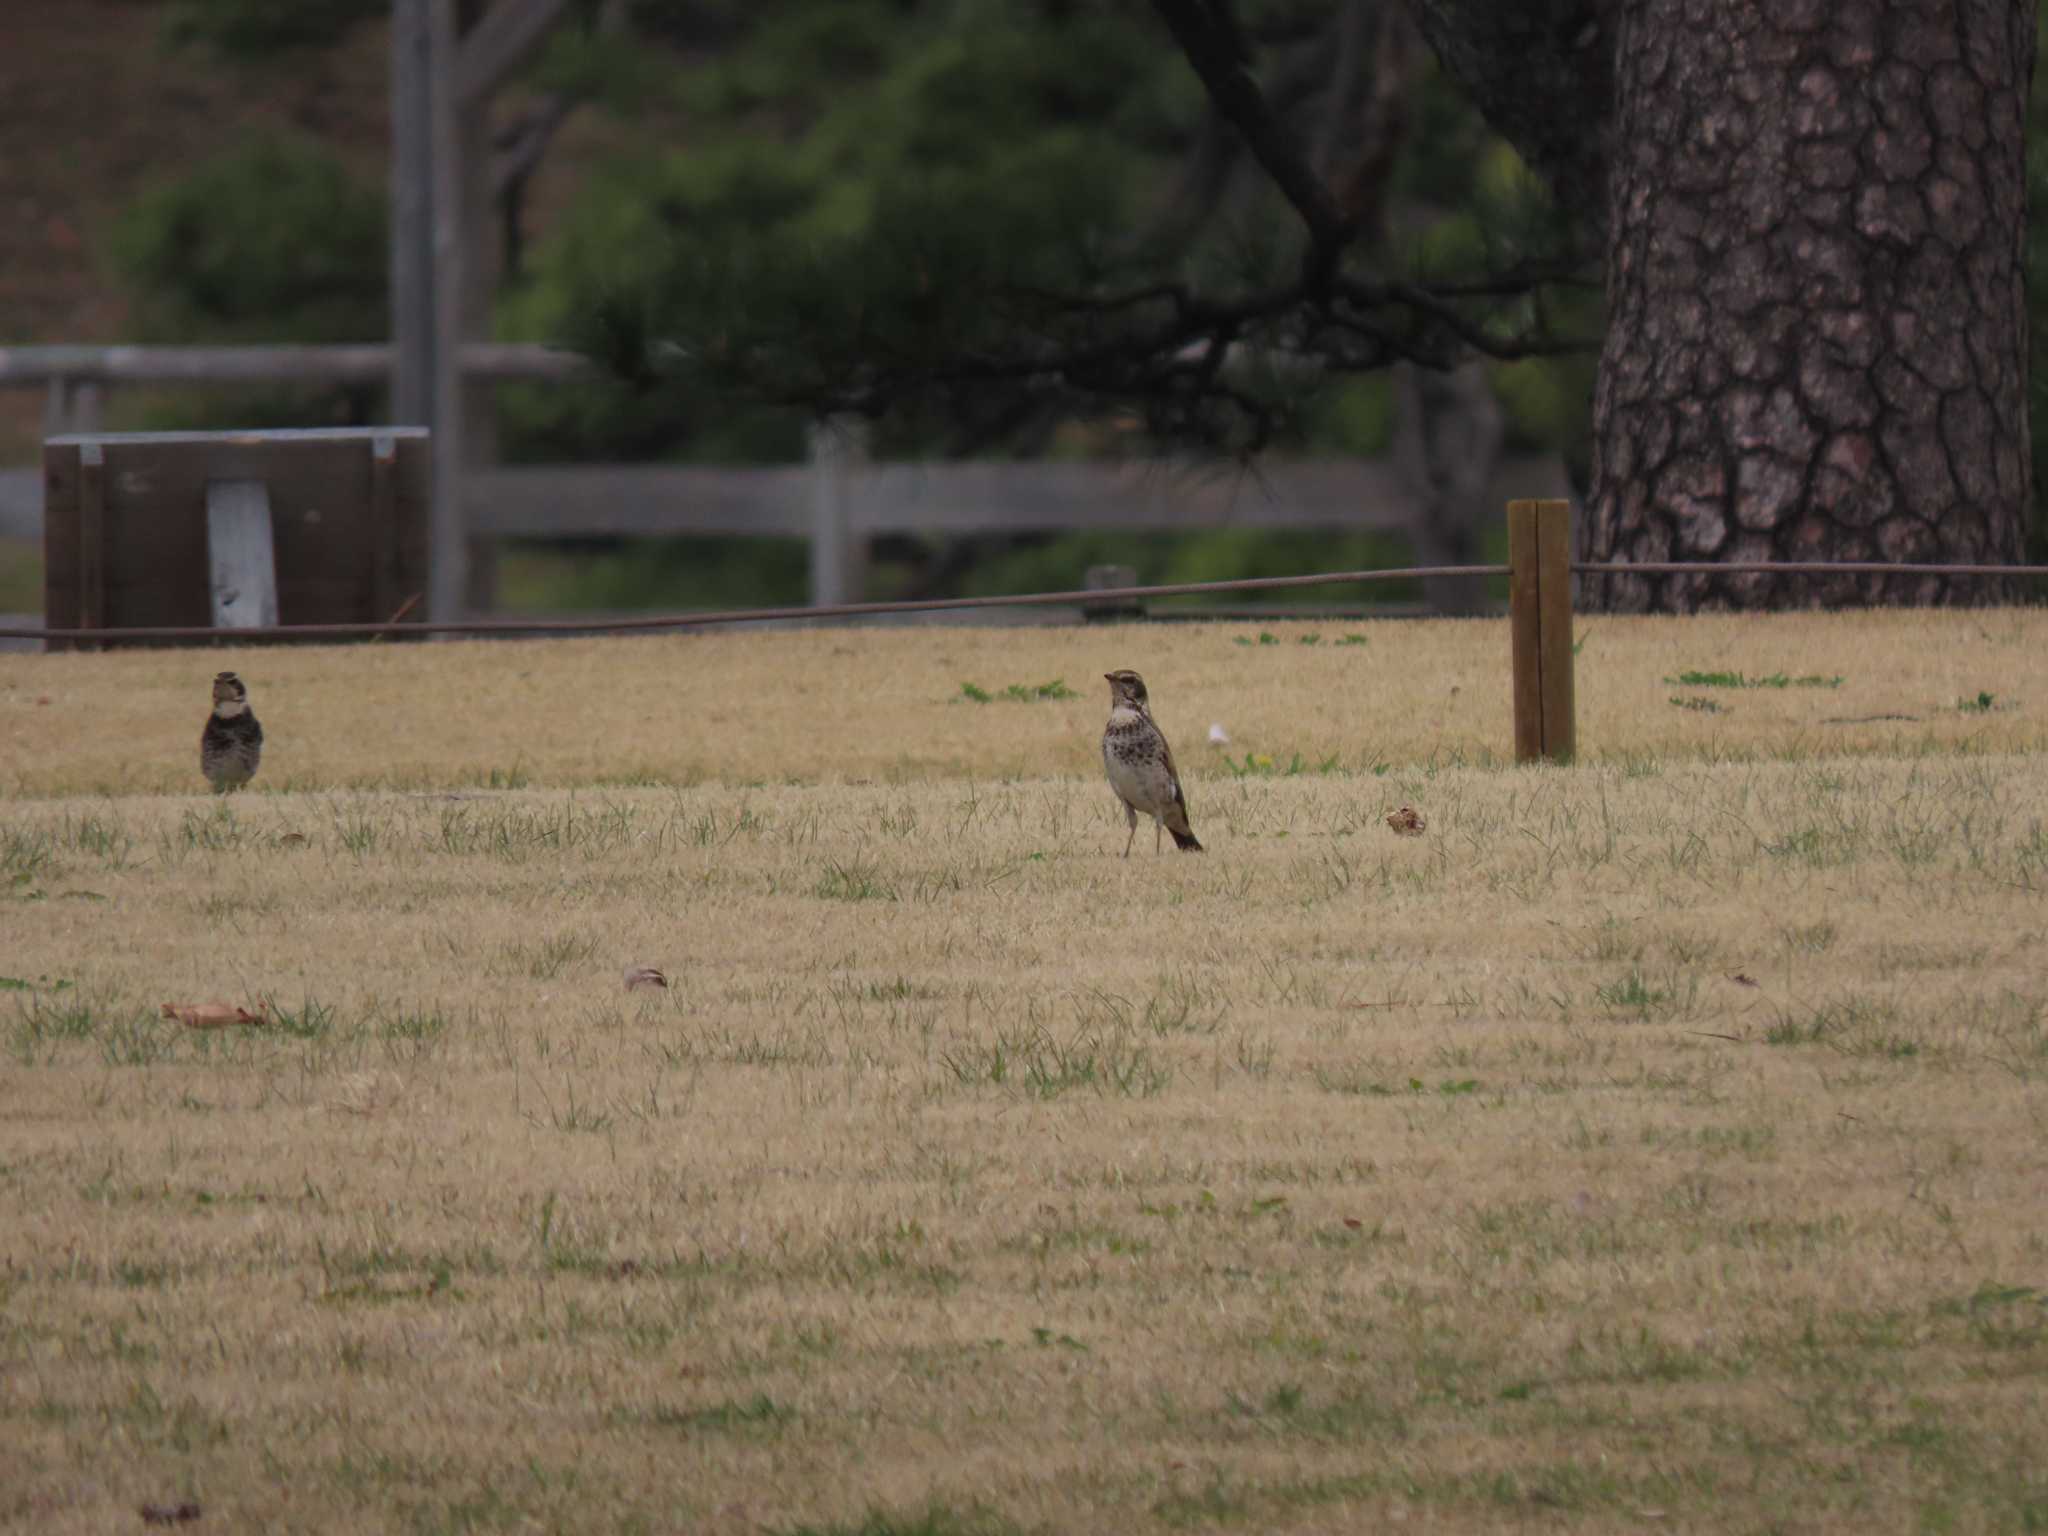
<point x="1654" y="1143"/>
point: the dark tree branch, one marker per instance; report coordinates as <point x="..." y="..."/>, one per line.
<point x="1210" y="38"/>
<point x="522" y="144"/>
<point x="1141" y="332"/>
<point x="1340" y="100"/>
<point x="1542" y="75"/>
<point x="1378" y="122"/>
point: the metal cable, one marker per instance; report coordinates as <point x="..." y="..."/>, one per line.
<point x="737" y="615"/>
<point x="655" y="622"/>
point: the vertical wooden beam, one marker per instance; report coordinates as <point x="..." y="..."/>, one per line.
<point x="60" y="539"/>
<point x="1524" y="633"/>
<point x="448" y="579"/>
<point x="1540" y="630"/>
<point x="1554" y="583"/>
<point x="241" y="556"/>
<point x="412" y="214"/>
<point x="383" y="529"/>
<point x="92" y="536"/>
<point x="480" y="264"/>
<point x="57" y="407"/>
<point x="87" y="410"/>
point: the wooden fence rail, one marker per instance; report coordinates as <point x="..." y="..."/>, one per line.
<point x="835" y="501"/>
<point x="1540" y="615"/>
<point x="359" y="363"/>
<point x="649" y="501"/>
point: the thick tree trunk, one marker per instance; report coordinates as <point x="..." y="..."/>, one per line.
<point x="1816" y="343"/>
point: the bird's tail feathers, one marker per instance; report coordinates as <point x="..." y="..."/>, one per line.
<point x="1184" y="841"/>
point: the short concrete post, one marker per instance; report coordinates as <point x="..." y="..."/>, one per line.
<point x="838" y="448"/>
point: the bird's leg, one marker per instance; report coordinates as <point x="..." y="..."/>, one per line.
<point x="1158" y="827"/>
<point x="1130" y="815"/>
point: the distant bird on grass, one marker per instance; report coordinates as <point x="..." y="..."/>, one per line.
<point x="1140" y="765"/>
<point x="232" y="744"/>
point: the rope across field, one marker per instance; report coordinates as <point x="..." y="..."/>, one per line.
<point x="1539" y="572"/>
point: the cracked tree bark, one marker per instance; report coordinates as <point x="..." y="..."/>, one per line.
<point x="1816" y="343"/>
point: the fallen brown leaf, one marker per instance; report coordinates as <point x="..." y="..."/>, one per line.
<point x="1743" y="981"/>
<point x="644" y="976"/>
<point x="211" y="1015"/>
<point x="169" y="1514"/>
<point x="292" y="840"/>
<point x="1406" y="822"/>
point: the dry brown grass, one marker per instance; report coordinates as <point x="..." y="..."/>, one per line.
<point x="969" y="1177"/>
<point x="887" y="705"/>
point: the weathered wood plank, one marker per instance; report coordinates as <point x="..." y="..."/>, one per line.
<point x="568" y="501"/>
<point x="60" y="535"/>
<point x="244" y="444"/>
<point x="384" y="525"/>
<point x="335" y="496"/>
<point x="1554" y="578"/>
<point x="640" y="501"/>
<point x="366" y="363"/>
<point x="449" y="569"/>
<point x="961" y="498"/>
<point x="958" y="498"/>
<point x="1525" y="629"/>
<point x="92" y="536"/>
<point x="241" y="560"/>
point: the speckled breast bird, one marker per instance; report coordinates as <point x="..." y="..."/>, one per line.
<point x="232" y="744"/>
<point x="1140" y="765"/>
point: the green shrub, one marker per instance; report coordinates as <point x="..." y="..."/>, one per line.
<point x="270" y="242"/>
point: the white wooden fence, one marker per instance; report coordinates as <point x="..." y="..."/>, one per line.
<point x="837" y="500"/>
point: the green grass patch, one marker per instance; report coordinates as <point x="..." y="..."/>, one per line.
<point x="1695" y="679"/>
<point x="1018" y="693"/>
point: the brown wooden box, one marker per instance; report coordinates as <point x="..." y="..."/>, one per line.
<point x="124" y="523"/>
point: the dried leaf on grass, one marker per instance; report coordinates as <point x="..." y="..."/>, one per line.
<point x="638" y="976"/>
<point x="1406" y="822"/>
<point x="169" y="1514"/>
<point x="212" y="1015"/>
<point x="1742" y="980"/>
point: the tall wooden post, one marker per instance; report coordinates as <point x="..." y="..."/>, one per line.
<point x="412" y="215"/>
<point x="478" y="396"/>
<point x="447" y="57"/>
<point x="1540" y="629"/>
<point x="448" y="585"/>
